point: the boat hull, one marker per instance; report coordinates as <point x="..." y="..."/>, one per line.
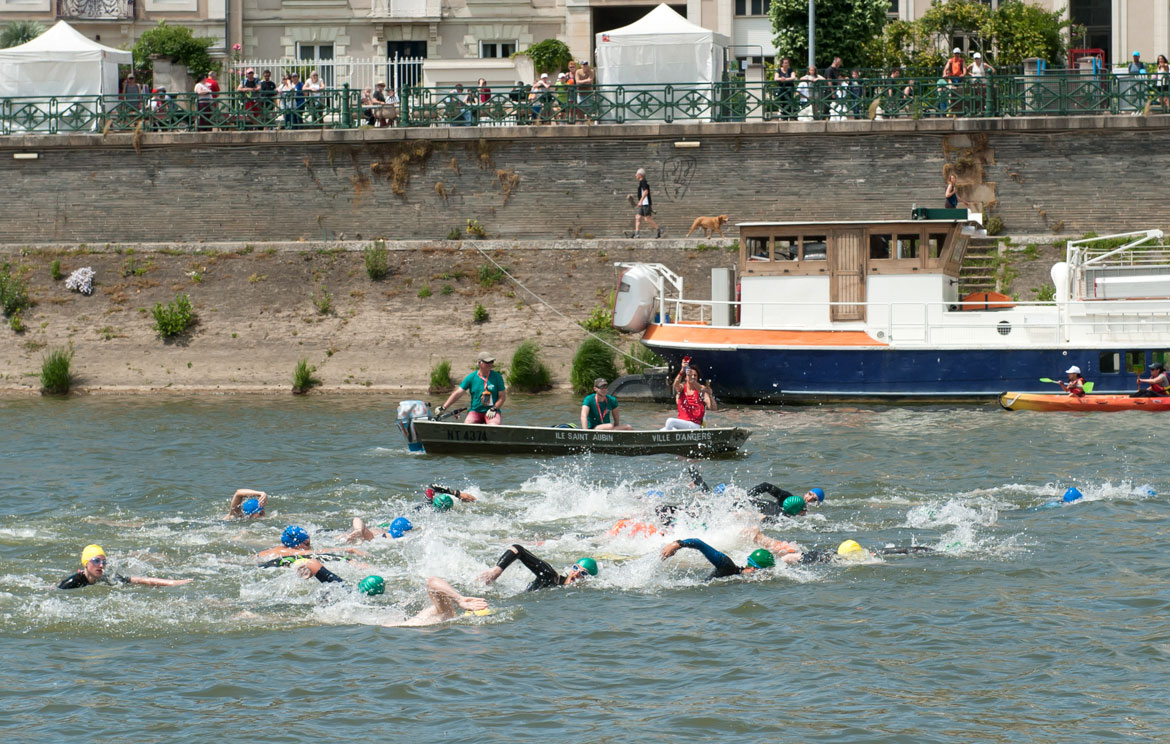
<point x="451" y="438"/>
<point x="1108" y="403"/>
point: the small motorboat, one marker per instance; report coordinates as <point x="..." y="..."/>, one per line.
<point x="425" y="434"/>
<point x="1065" y="402"/>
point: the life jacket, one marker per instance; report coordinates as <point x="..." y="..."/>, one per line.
<point x="691" y="406"/>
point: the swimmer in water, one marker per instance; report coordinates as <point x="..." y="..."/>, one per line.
<point x="395" y="529"/>
<point x="850" y="550"/>
<point x="439" y="497"/>
<point x="247" y="504"/>
<point x="546" y="576"/>
<point x="93" y="571"/>
<point x="295" y="544"/>
<point x="724" y="566"/>
<point x="768" y="509"/>
<point x="444" y="603"/>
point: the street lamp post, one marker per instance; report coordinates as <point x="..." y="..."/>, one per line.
<point x="812" y="34"/>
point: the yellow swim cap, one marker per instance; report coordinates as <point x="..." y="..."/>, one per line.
<point x="90" y="552"/>
<point x="850" y="549"/>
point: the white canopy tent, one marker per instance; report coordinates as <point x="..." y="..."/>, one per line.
<point x="61" y="63"/>
<point x="661" y="47"/>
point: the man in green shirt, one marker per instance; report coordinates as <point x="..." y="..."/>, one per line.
<point x="600" y="407"/>
<point x="487" y="390"/>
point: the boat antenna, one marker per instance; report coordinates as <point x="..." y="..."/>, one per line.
<point x="550" y="307"/>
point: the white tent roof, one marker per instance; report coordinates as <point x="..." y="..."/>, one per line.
<point x="64" y="43"/>
<point x="663" y="21"/>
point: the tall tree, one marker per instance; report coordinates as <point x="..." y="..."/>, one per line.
<point x="844" y="28"/>
<point x="20" y="32"/>
<point x="1021" y="31"/>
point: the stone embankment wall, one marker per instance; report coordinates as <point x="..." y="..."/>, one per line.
<point x="1067" y="175"/>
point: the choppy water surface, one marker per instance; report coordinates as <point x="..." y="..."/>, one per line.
<point x="1031" y="623"/>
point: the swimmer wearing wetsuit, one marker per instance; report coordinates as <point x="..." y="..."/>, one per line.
<point x="546" y="576"/>
<point x="311" y="568"/>
<point x="295" y="544"/>
<point x="93" y="571"/>
<point x="292" y="560"/>
<point x="851" y="550"/>
<point x="724" y="566"/>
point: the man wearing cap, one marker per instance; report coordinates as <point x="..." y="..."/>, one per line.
<point x="1158" y="383"/>
<point x="1136" y="66"/>
<point x="93" y="571"/>
<point x="599" y="409"/>
<point x="487" y="390"/>
<point x="539" y="98"/>
<point x="249" y="87"/>
<point x="246" y="504"/>
<point x="584" y="77"/>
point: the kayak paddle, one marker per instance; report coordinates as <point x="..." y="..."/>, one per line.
<point x="1087" y="387"/>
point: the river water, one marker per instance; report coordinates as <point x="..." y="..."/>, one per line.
<point x="1028" y="623"/>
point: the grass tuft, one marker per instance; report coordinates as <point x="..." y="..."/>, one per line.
<point x="174" y="318"/>
<point x="480" y="313"/>
<point x="441" y="381"/>
<point x="528" y="373"/>
<point x="643" y="357"/>
<point x="377" y="261"/>
<point x="303" y="379"/>
<point x="323" y="301"/>
<point x="593" y="359"/>
<point x="56" y="377"/>
<point x="490" y="275"/>
<point x="55" y="271"/>
<point x="13" y="291"/>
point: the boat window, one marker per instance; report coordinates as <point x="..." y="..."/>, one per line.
<point x="935" y="243"/>
<point x="1135" y="361"/>
<point x="786" y="248"/>
<point x="1163" y="357"/>
<point x="908" y="246"/>
<point x="879" y="246"/>
<point x="1109" y="363"/>
<point x="757" y="249"/>
<point x="815" y="248"/>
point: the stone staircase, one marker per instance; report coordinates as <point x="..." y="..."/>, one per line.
<point x="977" y="274"/>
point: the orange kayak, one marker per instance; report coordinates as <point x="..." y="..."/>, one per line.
<point x="1063" y="402"/>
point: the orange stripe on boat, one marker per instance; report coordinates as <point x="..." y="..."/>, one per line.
<point x="689" y="334"/>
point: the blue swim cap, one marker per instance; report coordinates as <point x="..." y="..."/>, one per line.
<point x="818" y="492"/>
<point x="1071" y="495"/>
<point x="719" y="488"/>
<point x="294" y="536"/>
<point x="400" y="527"/>
<point x="655" y="494"/>
<point x="251" y="506"/>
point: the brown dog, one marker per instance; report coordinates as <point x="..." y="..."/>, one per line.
<point x="710" y="225"/>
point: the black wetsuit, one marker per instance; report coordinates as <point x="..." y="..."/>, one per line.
<point x="325" y="576"/>
<point x="767" y="508"/>
<point x="288" y="560"/>
<point x="908" y="550"/>
<point x="724" y="566"/>
<point x="545" y="575"/>
<point x="78" y="580"/>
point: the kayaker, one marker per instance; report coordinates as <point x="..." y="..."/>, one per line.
<point x="246" y="503"/>
<point x="693" y="398"/>
<point x="1075" y="384"/>
<point x="599" y="409"/>
<point x="546" y="576"/>
<point x="93" y="571"/>
<point x="1158" y="383"/>
<point x="487" y="390"/>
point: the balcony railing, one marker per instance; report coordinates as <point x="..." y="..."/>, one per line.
<point x="95" y="10"/>
<point x="405" y="9"/>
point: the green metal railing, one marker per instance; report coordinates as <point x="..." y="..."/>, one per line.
<point x="342" y="108"/>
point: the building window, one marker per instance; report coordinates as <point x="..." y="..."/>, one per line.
<point x="752" y="7"/>
<point x="317" y="57"/>
<point x="496" y="49"/>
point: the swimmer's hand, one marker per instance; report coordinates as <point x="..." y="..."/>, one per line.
<point x="473" y="603"/>
<point x="491" y="574"/>
<point x="670" y="549"/>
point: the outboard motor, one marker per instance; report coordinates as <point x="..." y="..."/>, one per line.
<point x="408" y="412"/>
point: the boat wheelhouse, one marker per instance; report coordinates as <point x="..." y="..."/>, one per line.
<point x="851" y="310"/>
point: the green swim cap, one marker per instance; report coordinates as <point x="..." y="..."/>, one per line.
<point x="761" y="559"/>
<point x="589" y="565"/>
<point x="442" y="502"/>
<point x="793" y="505"/>
<point x="372" y="585"/>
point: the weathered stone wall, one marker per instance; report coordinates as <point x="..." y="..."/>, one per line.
<point x="1047" y="175"/>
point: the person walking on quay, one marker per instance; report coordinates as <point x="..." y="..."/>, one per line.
<point x="643" y="207"/>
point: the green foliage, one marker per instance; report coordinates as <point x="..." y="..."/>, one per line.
<point x="174" y="318"/>
<point x="1020" y="30"/>
<point x="179" y="44"/>
<point x="425" y="292"/>
<point x="323" y="301"/>
<point x="994" y="225"/>
<point x="13" y="291"/>
<point x="843" y="28"/>
<point x="1032" y="252"/>
<point x="476" y="230"/>
<point x="455" y="234"/>
<point x="441" y="380"/>
<point x="593" y="359"/>
<point x="20" y="32"/>
<point x="447" y="289"/>
<point x="903" y="44"/>
<point x="644" y="357"/>
<point x="1047" y="293"/>
<point x="480" y="313"/>
<point x="55" y="271"/>
<point x="56" y="378"/>
<point x="599" y="321"/>
<point x="550" y="55"/>
<point x="303" y="379"/>
<point x="528" y="373"/>
<point x="16" y="323"/>
<point x="377" y="261"/>
<point x="490" y="274"/>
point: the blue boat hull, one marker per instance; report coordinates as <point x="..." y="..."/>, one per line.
<point x="809" y="375"/>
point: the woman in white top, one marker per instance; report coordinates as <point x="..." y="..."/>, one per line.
<point x="312" y="88"/>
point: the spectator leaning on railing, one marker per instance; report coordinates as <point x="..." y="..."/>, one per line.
<point x="267" y="98"/>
